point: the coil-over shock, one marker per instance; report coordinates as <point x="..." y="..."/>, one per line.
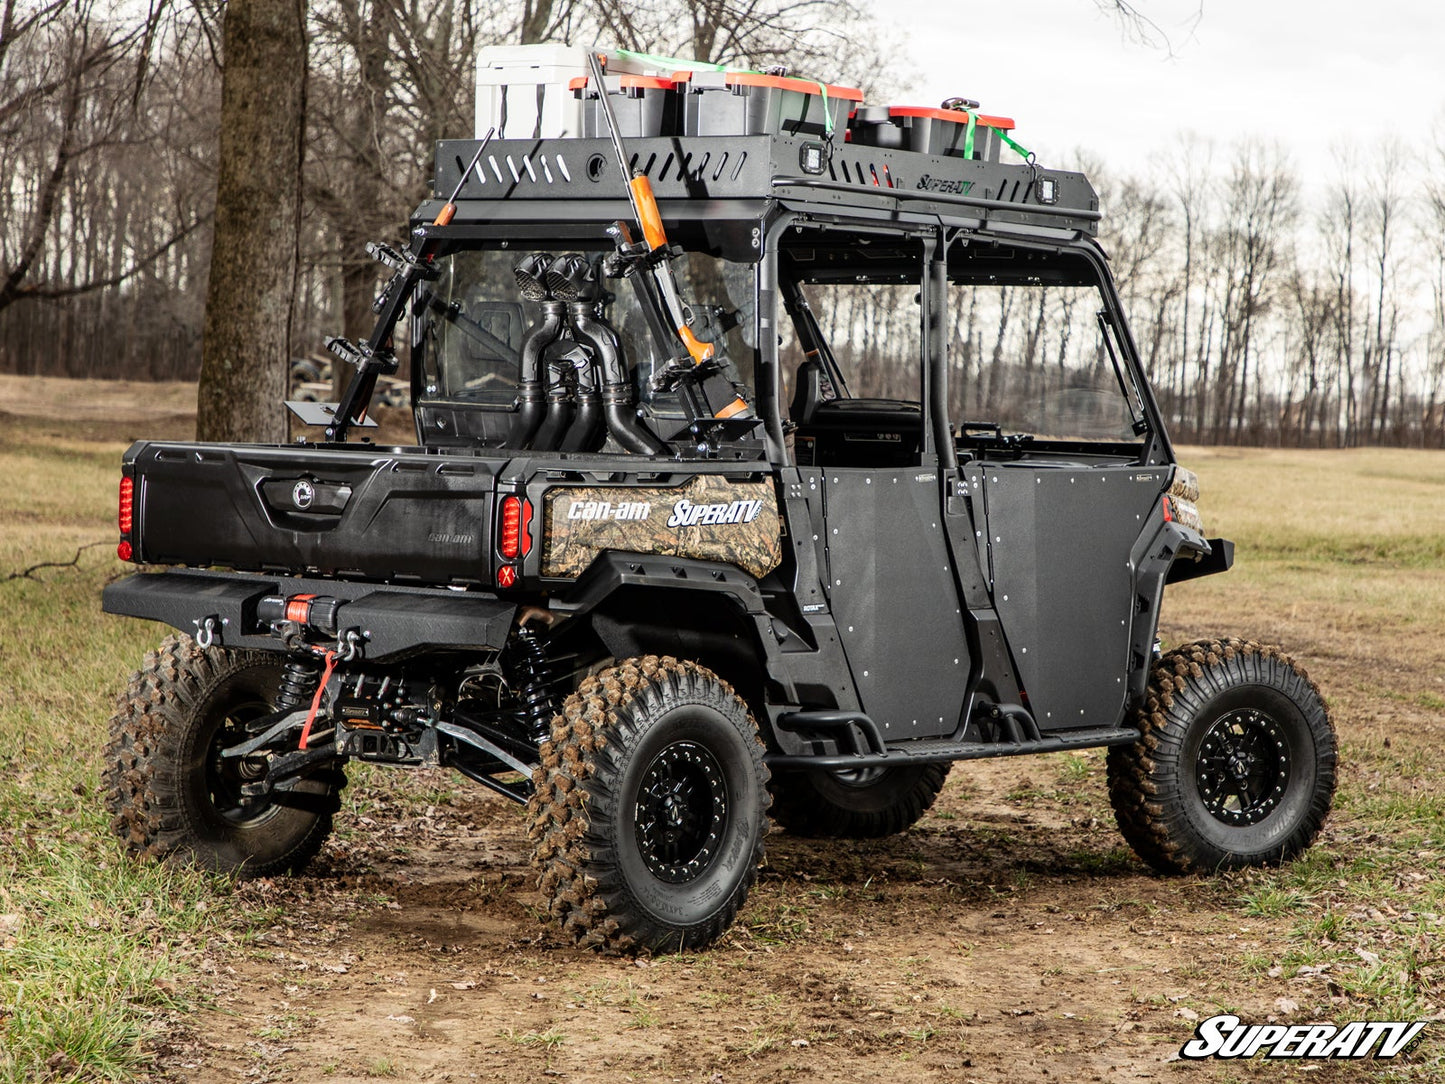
<point x="534" y="684"/>
<point x="299" y="678"/>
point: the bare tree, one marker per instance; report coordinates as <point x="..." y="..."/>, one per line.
<point x="254" y="262"/>
<point x="1431" y="229"/>
<point x="1384" y="211"/>
<point x="841" y="38"/>
<point x="1338" y="225"/>
<point x="1144" y="29"/>
<point x="70" y="80"/>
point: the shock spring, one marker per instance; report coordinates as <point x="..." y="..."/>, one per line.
<point x="535" y="671"/>
<point x="298" y="684"/>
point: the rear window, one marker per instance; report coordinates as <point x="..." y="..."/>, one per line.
<point x="472" y="322"/>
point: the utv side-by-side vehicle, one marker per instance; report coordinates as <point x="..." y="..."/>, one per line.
<point x="842" y="469"/>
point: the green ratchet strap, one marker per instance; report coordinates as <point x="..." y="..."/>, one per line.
<point x="677" y="63"/>
<point x="827" y="113"/>
<point x="1027" y="156"/>
<point x="972" y="128"/>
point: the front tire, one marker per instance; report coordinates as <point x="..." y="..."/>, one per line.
<point x="865" y="803"/>
<point x="171" y="794"/>
<point x="1236" y="766"/>
<point x="650" y="808"/>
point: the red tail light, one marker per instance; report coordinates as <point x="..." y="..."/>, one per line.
<point x="125" y="518"/>
<point x="127" y="505"/>
<point x="515" y="537"/>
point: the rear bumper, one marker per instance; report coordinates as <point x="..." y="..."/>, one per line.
<point x="393" y="621"/>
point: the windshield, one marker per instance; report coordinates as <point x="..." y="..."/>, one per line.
<point x="472" y="320"/>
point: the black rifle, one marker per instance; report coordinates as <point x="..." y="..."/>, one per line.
<point x="374" y="357"/>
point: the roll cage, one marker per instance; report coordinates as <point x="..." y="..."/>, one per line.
<point x="870" y="216"/>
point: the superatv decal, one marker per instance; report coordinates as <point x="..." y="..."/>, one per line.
<point x="945" y="184"/>
<point x="709" y="518"/>
<point x="687" y="514"/>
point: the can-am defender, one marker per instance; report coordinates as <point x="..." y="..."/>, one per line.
<point x="837" y="469"/>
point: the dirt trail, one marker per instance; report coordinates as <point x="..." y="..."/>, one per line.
<point x="1011" y="935"/>
<point x="991" y="942"/>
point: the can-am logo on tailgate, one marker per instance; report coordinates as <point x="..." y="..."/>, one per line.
<point x="687" y="514"/>
<point x="302" y="494"/>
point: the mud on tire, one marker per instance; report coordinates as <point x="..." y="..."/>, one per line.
<point x="650" y="807"/>
<point x="863" y="804"/>
<point x="171" y="795"/>
<point x="1236" y="766"/>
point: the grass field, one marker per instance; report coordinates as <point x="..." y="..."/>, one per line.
<point x="103" y="961"/>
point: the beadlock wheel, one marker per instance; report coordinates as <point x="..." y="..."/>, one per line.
<point x="1236" y="762"/>
<point x="649" y="808"/>
<point x="1242" y="767"/>
<point x="681" y="812"/>
<point x="171" y="793"/>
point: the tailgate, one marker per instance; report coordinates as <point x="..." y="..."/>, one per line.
<point x="395" y="514"/>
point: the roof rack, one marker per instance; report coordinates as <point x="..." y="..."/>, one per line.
<point x="533" y="175"/>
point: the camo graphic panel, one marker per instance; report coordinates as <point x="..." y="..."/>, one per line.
<point x="1185" y="493"/>
<point x="1185" y="484"/>
<point x="710" y="518"/>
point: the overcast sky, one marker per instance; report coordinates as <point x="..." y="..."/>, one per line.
<point x="1308" y="74"/>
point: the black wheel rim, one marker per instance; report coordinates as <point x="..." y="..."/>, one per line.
<point x="681" y="813"/>
<point x="1243" y="767"/>
<point x="225" y="776"/>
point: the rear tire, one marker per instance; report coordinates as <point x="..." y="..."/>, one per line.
<point x="171" y="794"/>
<point x="862" y="804"/>
<point x="1236" y="766"/>
<point x="650" y="808"/>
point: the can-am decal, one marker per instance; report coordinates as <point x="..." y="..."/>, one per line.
<point x="621" y="512"/>
<point x="687" y="514"/>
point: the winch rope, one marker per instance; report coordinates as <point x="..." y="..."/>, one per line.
<point x="316" y="700"/>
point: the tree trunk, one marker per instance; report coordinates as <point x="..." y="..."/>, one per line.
<point x="245" y="348"/>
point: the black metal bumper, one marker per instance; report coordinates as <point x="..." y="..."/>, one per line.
<point x="392" y="621"/>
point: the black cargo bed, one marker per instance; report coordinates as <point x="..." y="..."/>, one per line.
<point x="386" y="514"/>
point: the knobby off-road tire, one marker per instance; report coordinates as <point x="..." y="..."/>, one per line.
<point x="173" y="797"/>
<point x="650" y="807"/>
<point x="1236" y="766"/>
<point x="863" y="804"/>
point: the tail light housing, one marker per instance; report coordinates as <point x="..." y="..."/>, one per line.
<point x="514" y="538"/>
<point x="125" y="518"/>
